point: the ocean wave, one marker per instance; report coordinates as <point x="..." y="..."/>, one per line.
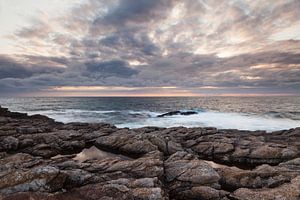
<point x="75" y="115"/>
<point x="108" y="116"/>
<point x="290" y="115"/>
<point x="202" y="118"/>
<point x="221" y="120"/>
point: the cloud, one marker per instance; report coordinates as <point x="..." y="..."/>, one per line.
<point x="116" y="68"/>
<point x="141" y="11"/>
<point x="12" y="69"/>
<point x="192" y="45"/>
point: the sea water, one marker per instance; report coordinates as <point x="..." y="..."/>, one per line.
<point x="246" y="113"/>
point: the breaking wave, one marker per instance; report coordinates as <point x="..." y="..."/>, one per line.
<point x="202" y="118"/>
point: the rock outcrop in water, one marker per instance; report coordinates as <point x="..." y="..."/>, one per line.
<point x="39" y="160"/>
<point x="177" y="112"/>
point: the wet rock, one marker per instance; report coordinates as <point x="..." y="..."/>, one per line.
<point x="189" y="113"/>
<point x="178" y="113"/>
<point x="169" y="114"/>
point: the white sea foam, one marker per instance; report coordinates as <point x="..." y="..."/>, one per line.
<point x="70" y="111"/>
<point x="73" y="115"/>
<point x="218" y="120"/>
<point x="137" y="119"/>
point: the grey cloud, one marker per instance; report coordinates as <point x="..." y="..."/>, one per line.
<point x="16" y="87"/>
<point x="116" y="68"/>
<point x="10" y="68"/>
<point x="133" y="40"/>
<point x="192" y="70"/>
<point x="51" y="62"/>
<point x="135" y="11"/>
<point x="247" y="60"/>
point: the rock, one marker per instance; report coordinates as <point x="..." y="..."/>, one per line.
<point x="27" y="130"/>
<point x="243" y="150"/>
<point x="126" y="144"/>
<point x="290" y="191"/>
<point x="173" y="147"/>
<point x="189" y="113"/>
<point x="268" y="152"/>
<point x="18" y="161"/>
<point x="32" y="196"/>
<point x="37" y="179"/>
<point x="161" y="144"/>
<point x="202" y="192"/>
<point x="184" y="171"/>
<point x="44" y="150"/>
<point x="178" y="113"/>
<point x="291" y="164"/>
<point x="39" y="160"/>
<point x="150" y="165"/>
<point x="76" y="178"/>
<point x="8" y="143"/>
<point x="184" y="167"/>
<point x="263" y="176"/>
<point x="117" y="191"/>
<point x="169" y="113"/>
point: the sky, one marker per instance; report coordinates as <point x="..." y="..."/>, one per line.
<point x="149" y="48"/>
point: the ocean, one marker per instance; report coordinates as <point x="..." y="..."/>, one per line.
<point x="245" y="113"/>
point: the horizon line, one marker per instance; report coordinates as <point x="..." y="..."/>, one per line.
<point x="161" y="96"/>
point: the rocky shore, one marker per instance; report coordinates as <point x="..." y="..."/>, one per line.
<point x="44" y="159"/>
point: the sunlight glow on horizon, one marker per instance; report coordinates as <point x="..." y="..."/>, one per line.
<point x="117" y="91"/>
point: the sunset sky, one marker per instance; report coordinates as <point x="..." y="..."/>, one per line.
<point x="149" y="47"/>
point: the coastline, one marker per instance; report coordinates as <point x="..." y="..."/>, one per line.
<point x="37" y="161"/>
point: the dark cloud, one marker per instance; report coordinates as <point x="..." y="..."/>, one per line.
<point x="11" y="69"/>
<point x="134" y="11"/>
<point x="132" y="41"/>
<point x="116" y="68"/>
